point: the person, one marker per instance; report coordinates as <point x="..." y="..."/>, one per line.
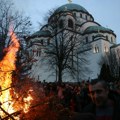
<point x="105" y="104"/>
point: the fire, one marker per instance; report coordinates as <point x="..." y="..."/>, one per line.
<point x="27" y="101"/>
<point x="7" y="66"/>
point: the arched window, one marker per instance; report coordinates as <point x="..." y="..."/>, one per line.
<point x="111" y="39"/>
<point x="61" y="24"/>
<point x="31" y="52"/>
<point x="34" y="52"/>
<point x="80" y="15"/>
<point x="96" y="49"/>
<point x="74" y="15"/>
<point x="86" y="39"/>
<point x="70" y="23"/>
<point x="93" y="38"/>
<point x="38" y="52"/>
<point x="106" y="37"/>
<point x="86" y="17"/>
<point x="48" y="41"/>
<point x="105" y="49"/>
<point x="42" y="42"/>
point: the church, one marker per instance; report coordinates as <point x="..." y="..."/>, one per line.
<point x="78" y="20"/>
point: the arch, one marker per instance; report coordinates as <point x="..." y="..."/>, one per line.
<point x="105" y="49"/>
<point x="86" y="39"/>
<point x="93" y="37"/>
<point x="96" y="49"/>
<point x="86" y="17"/>
<point x="70" y="23"/>
<point x="106" y="37"/>
<point x="112" y="39"/>
<point x="42" y="42"/>
<point x="48" y="41"/>
<point x="80" y="15"/>
<point x="61" y="24"/>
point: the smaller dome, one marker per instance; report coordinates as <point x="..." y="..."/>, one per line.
<point x="70" y="7"/>
<point x="98" y="29"/>
<point x="41" y="33"/>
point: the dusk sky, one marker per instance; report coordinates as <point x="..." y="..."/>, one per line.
<point x="105" y="12"/>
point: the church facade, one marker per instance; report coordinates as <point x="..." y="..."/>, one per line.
<point x="78" y="20"/>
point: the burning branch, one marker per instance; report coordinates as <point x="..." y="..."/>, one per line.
<point x="8" y="115"/>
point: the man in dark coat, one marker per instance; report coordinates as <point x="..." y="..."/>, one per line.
<point x="105" y="104"/>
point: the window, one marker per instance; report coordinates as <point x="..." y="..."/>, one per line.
<point x="86" y="39"/>
<point x="38" y="77"/>
<point x="86" y="17"/>
<point x="34" y="52"/>
<point x="106" y="37"/>
<point x="92" y="38"/>
<point x="48" y="41"/>
<point x="105" y="49"/>
<point x="80" y="15"/>
<point x="38" y="52"/>
<point x="31" y="52"/>
<point x="74" y="15"/>
<point x="111" y="39"/>
<point x="61" y="24"/>
<point x="70" y="23"/>
<point x="42" y="42"/>
<point x="96" y="49"/>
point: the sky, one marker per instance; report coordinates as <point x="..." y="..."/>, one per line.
<point x="104" y="12"/>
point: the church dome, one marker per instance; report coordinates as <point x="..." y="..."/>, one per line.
<point x="41" y="33"/>
<point x="92" y="29"/>
<point x="70" y="7"/>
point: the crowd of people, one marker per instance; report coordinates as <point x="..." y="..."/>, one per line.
<point x="92" y="100"/>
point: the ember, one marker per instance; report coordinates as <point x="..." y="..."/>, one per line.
<point x="27" y="101"/>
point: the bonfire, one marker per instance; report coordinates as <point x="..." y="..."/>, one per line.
<point x="23" y="100"/>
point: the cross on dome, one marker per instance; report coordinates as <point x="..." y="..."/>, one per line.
<point x="69" y="1"/>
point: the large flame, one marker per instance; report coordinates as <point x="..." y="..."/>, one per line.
<point x="8" y="96"/>
<point x="7" y="93"/>
<point x="7" y="65"/>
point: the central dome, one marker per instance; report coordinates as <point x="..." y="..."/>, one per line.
<point x="70" y="7"/>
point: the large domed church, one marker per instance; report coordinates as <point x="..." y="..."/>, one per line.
<point x="77" y="20"/>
